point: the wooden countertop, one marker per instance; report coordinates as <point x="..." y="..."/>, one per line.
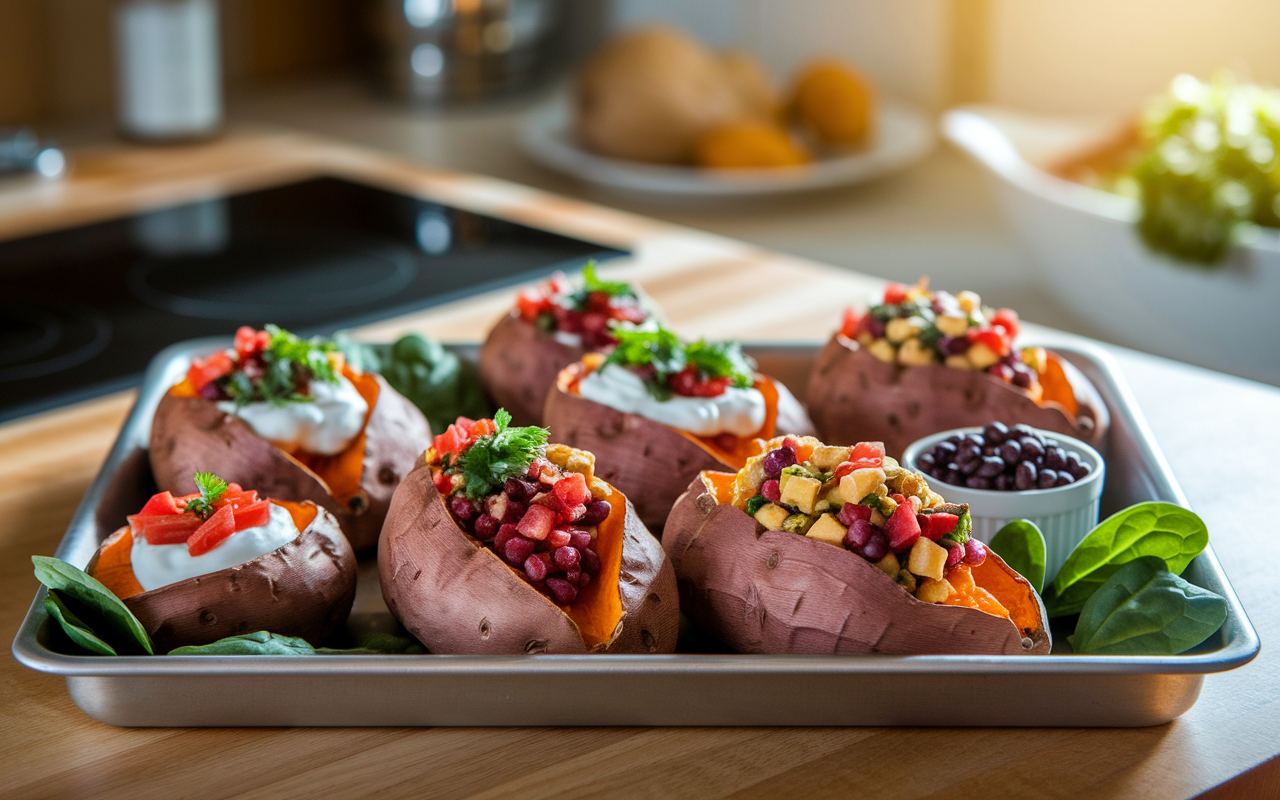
<point x="1220" y="435"/>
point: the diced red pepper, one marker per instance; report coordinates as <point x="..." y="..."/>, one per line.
<point x="483" y="427"/>
<point x="250" y="343"/>
<point x="994" y="340"/>
<point x="213" y="532"/>
<point x="868" y="454"/>
<point x="935" y="526"/>
<point x="686" y="383"/>
<point x="901" y="528"/>
<point x="572" y="489"/>
<point x="165" y="528"/>
<point x="895" y="293"/>
<point x="254" y="515"/>
<point x="849" y="323"/>
<point x="204" y="371"/>
<point x="537" y="522"/>
<point x="455" y="438"/>
<point x="443" y="482"/>
<point x="162" y="503"/>
<point x="1006" y="319"/>
<point x="628" y="313"/>
<point x="532" y="302"/>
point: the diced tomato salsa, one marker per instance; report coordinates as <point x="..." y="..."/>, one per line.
<point x="165" y="520"/>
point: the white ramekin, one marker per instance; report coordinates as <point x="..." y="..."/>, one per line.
<point x="1064" y="514"/>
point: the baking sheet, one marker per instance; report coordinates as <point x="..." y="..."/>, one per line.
<point x="696" y="686"/>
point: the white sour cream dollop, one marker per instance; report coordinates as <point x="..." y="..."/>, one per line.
<point x="324" y="426"/>
<point x="737" y="411"/>
<point x="156" y="565"/>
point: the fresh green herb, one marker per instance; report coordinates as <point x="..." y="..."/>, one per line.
<point x="79" y="633"/>
<point x="591" y="284"/>
<point x="211" y="488"/>
<point x="755" y="504"/>
<point x="290" y="363"/>
<point x="263" y="643"/>
<point x="1144" y="609"/>
<point x="97" y="609"/>
<point x="962" y="532"/>
<point x="1146" y="529"/>
<point x="930" y="336"/>
<point x="1021" y="544"/>
<point x="505" y="453"/>
<point x="875" y="502"/>
<point x="435" y="380"/>
<point x="663" y="351"/>
<point x="721" y="360"/>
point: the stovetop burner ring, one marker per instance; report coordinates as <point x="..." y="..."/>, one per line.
<point x="51" y="335"/>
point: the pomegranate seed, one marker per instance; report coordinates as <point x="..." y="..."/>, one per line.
<point x="537" y="566"/>
<point x="859" y="533"/>
<point x="583" y="580"/>
<point x="559" y="537"/>
<point x="505" y="534"/>
<point x="516" y="489"/>
<point x="463" y="508"/>
<point x="590" y="561"/>
<point x="771" y="491"/>
<point x="876" y="548"/>
<point x="852" y="511"/>
<point x="954" y="556"/>
<point x="975" y="552"/>
<point x="562" y="591"/>
<point x="567" y="557"/>
<point x="518" y="549"/>
<point x="486" y="527"/>
<point x="597" y="512"/>
<point x="515" y="512"/>
<point x="579" y="538"/>
<point x="573" y="576"/>
<point x="777" y="460"/>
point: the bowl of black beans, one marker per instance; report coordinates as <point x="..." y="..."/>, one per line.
<point x="1007" y="472"/>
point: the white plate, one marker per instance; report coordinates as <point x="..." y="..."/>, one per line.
<point x="904" y="135"/>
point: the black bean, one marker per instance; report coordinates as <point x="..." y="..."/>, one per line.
<point x="1023" y="376"/>
<point x="1055" y="458"/>
<point x="1032" y="450"/>
<point x="1024" y="429"/>
<point x="989" y="450"/>
<point x="1082" y="470"/>
<point x="954" y="477"/>
<point x="991" y="466"/>
<point x="926" y="461"/>
<point x="971" y="467"/>
<point x="1025" y="476"/>
<point x="1011" y="451"/>
<point x="1064" y="478"/>
<point x="996" y="432"/>
<point x="1047" y="480"/>
<point x="957" y="439"/>
<point x="975" y="440"/>
<point x="944" y="451"/>
<point x="1004" y="482"/>
<point x="976" y="482"/>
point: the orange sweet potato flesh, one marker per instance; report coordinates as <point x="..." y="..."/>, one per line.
<point x="648" y="461"/>
<point x="764" y="591"/>
<point x="518" y="366"/>
<point x="458" y="597"/>
<point x="190" y="434"/>
<point x="304" y="588"/>
<point x="855" y="397"/>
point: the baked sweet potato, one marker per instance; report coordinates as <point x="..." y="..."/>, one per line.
<point x="808" y="583"/>
<point x="651" y="462"/>
<point x="190" y="433"/>
<point x="924" y="361"/>
<point x="461" y="587"/>
<point x="304" y="588"/>
<point x="552" y="326"/>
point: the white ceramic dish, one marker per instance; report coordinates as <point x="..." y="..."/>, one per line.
<point x="1089" y="254"/>
<point x="1064" y="514"/>
<point x="904" y="136"/>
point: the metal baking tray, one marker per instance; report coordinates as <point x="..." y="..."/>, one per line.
<point x="695" y="687"/>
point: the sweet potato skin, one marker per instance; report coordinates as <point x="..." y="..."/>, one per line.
<point x="304" y="588"/>
<point x="776" y="592"/>
<point x="519" y="363"/>
<point x="458" y="597"/>
<point x="650" y="463"/>
<point x="855" y="397"/>
<point x="190" y="434"/>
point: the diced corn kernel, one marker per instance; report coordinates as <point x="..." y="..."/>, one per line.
<point x="860" y="483"/>
<point x="889" y="565"/>
<point x="583" y="462"/>
<point x="828" y="457"/>
<point x="960" y="361"/>
<point x="981" y="356"/>
<point x="913" y="353"/>
<point x="801" y="492"/>
<point x="828" y="529"/>
<point x="771" y="516"/>
<point x="900" y="329"/>
<point x="969" y="301"/>
<point x="952" y="325"/>
<point x="882" y="350"/>
<point x="928" y="559"/>
<point x="599" y="489"/>
<point x="558" y="454"/>
<point x="933" y="591"/>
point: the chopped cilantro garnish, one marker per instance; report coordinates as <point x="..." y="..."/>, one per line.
<point x="875" y="502"/>
<point x="667" y="355"/>
<point x="591" y="284"/>
<point x="755" y="504"/>
<point x="289" y="363"/>
<point x="505" y="453"/>
<point x="211" y="488"/>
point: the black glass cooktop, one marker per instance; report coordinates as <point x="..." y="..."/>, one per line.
<point x="83" y="310"/>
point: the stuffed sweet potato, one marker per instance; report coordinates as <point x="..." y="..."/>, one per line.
<point x="551" y="327"/>
<point x="497" y="543"/>
<point x="816" y="549"/>
<point x="657" y="411"/>
<point x="290" y="417"/>
<point x="223" y="562"/>
<point x="923" y="361"/>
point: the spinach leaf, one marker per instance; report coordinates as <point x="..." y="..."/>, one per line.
<point x="259" y="643"/>
<point x="1146" y="529"/>
<point x="1021" y="544"/>
<point x="76" y="630"/>
<point x="432" y="378"/>
<point x="374" y="644"/>
<point x="109" y="618"/>
<point x="1144" y="609"/>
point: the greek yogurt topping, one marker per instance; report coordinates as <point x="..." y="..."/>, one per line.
<point x="737" y="411"/>
<point x="156" y="565"/>
<point x="325" y="426"/>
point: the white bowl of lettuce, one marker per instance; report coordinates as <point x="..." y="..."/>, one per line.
<point x="1092" y="255"/>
